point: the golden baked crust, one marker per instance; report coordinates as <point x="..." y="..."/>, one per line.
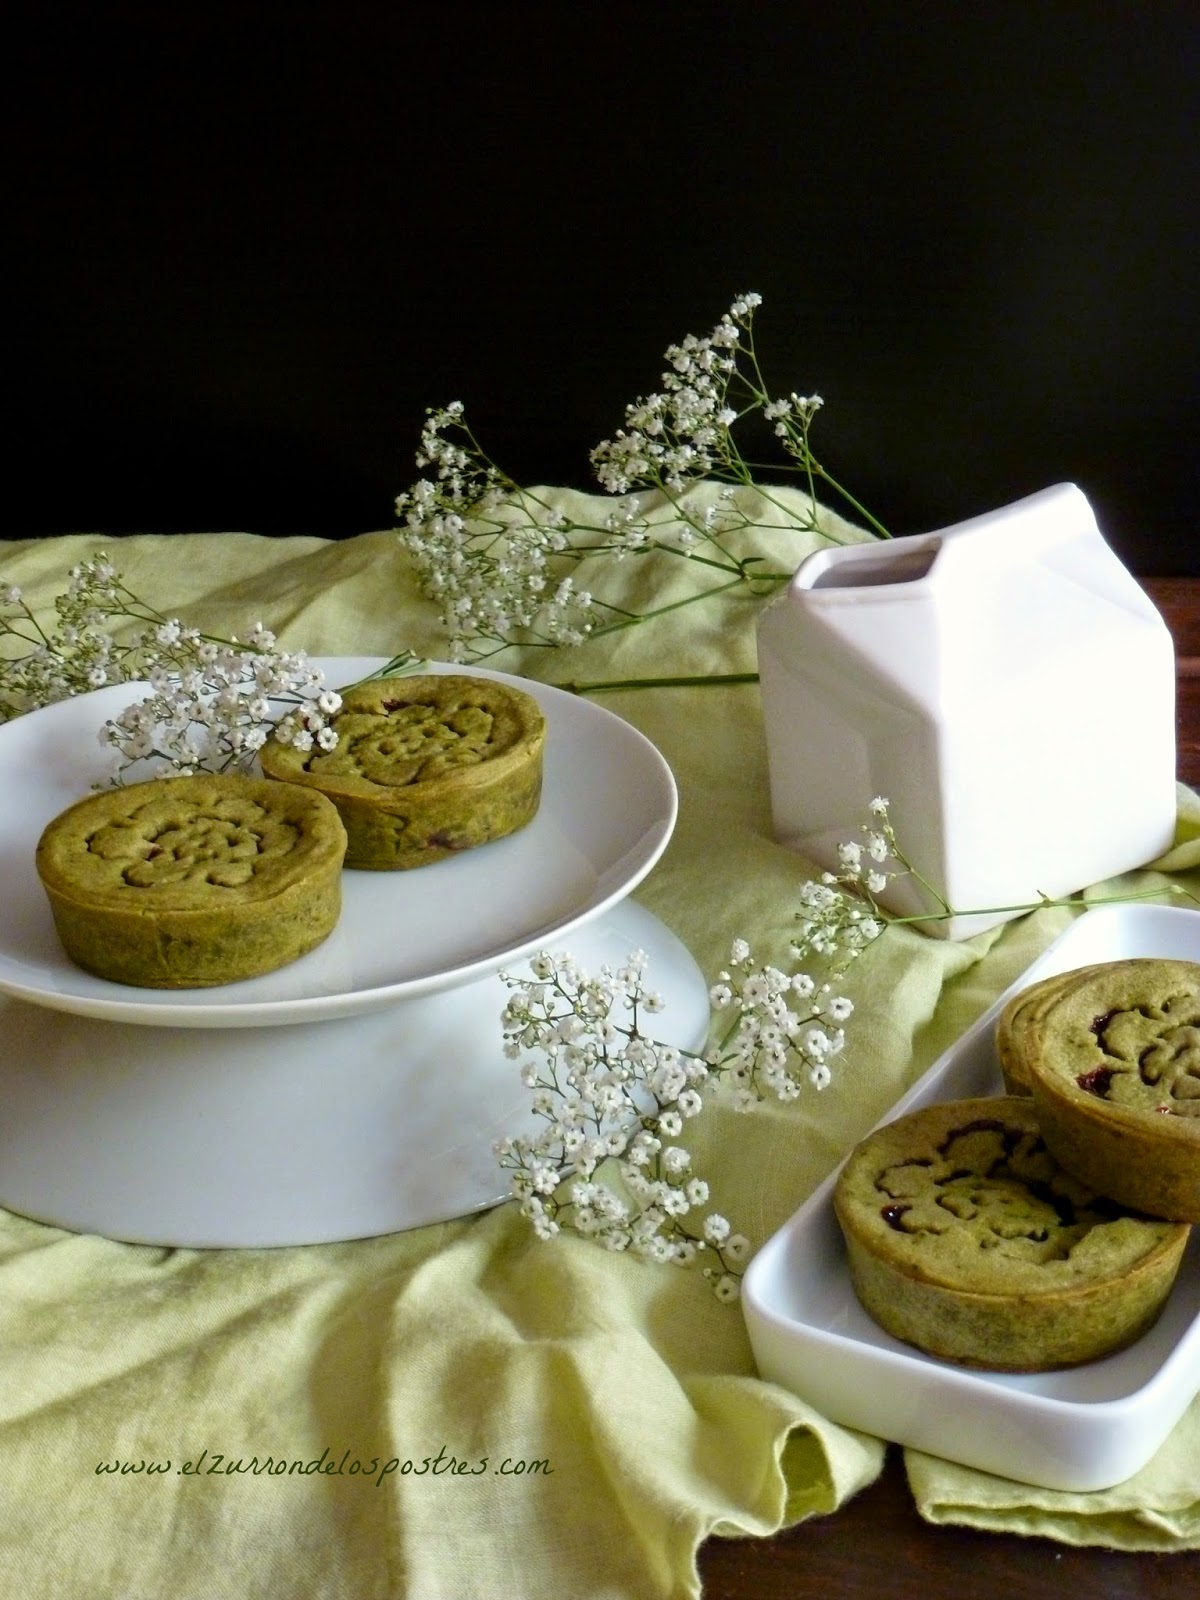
<point x="424" y="767"/>
<point x="1114" y="1069"/>
<point x="1019" y="1021"/>
<point x="184" y="883"/>
<point x="966" y="1239"/>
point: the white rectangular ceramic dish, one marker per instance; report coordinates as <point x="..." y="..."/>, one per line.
<point x="1081" y="1429"/>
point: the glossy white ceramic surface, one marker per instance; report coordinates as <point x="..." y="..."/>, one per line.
<point x="248" y="1137"/>
<point x="1081" y="1429"/>
<point x="1005" y="683"/>
<point x="607" y="812"/>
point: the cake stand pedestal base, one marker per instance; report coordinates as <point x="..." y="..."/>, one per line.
<point x="302" y="1134"/>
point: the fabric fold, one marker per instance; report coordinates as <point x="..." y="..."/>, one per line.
<point x="1157" y="1509"/>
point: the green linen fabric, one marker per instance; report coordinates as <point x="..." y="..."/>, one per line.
<point x="627" y="1392"/>
<point x="1157" y="1509"/>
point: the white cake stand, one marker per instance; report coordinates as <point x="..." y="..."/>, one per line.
<point x="356" y="1092"/>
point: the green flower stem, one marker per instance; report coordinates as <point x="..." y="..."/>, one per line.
<point x="398" y="666"/>
<point x="660" y="611"/>
<point x="712" y="679"/>
<point x="855" y="505"/>
<point x="947" y="909"/>
<point x="730" y="564"/>
<point x="1045" y="904"/>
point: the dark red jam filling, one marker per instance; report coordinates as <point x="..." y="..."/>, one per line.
<point x="1100" y="1023"/>
<point x="1097" y="1082"/>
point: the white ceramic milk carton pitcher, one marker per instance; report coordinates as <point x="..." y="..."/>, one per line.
<point x="1004" y="683"/>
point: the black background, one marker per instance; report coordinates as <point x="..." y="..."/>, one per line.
<point x="252" y="243"/>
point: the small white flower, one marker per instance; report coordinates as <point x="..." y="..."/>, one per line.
<point x="716" y="1228"/>
<point x="817" y="1043"/>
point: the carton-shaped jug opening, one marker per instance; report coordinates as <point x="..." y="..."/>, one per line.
<point x="869" y="566"/>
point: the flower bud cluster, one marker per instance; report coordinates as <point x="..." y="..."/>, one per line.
<point x="607" y="1160"/>
<point x="213" y="705"/>
<point x="78" y="652"/>
<point x="487" y="553"/>
<point x="785" y="1029"/>
<point x="682" y="432"/>
<point x="840" y="915"/>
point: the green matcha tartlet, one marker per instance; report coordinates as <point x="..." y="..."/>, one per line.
<point x="424" y="767"/>
<point x="966" y="1239"/>
<point x="186" y="883"/>
<point x="1114" y="1069"/>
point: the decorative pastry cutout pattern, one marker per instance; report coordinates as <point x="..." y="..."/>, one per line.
<point x="1000" y="1184"/>
<point x="403" y="743"/>
<point x="1151" y="1056"/>
<point x="160" y="845"/>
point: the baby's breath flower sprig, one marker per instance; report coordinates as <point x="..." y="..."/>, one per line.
<point x="784" y="1031"/>
<point x="608" y="1161"/>
<point x="502" y="562"/>
<point x="212" y="702"/>
<point x="843" y="913"/>
<point x="685" y="431"/>
<point x="494" y="558"/>
<point x="212" y="706"/>
<point x="840" y="914"/>
<point x="79" y="650"/>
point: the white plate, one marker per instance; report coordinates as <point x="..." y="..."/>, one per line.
<point x="1082" y="1429"/>
<point x="334" y="1130"/>
<point x="607" y="811"/>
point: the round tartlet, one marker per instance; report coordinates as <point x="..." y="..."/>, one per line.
<point x="424" y="767"/>
<point x="966" y="1239"/>
<point x="190" y="882"/>
<point x="1114" y="1070"/>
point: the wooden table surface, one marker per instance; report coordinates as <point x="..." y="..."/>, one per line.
<point x="876" y="1547"/>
